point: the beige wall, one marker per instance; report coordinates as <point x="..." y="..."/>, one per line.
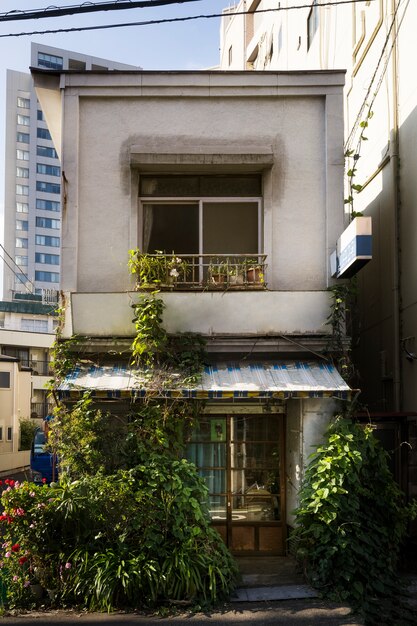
<point x="14" y="405"/>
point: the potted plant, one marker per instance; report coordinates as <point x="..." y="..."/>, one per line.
<point x="254" y="272"/>
<point x="156" y="270"/>
<point x="218" y="273"/>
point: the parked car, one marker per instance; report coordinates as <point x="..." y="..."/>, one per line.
<point x="43" y="463"/>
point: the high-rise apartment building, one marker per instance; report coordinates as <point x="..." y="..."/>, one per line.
<point x="33" y="177"/>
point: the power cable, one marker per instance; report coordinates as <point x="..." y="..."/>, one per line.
<point x="368" y="91"/>
<point x="15" y="274"/>
<point x="180" y="19"/>
<point x="18" y="267"/>
<point x="86" y="7"/>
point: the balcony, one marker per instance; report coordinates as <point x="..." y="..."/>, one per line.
<point x="204" y="272"/>
<point x="39" y="410"/>
<point x="39" y="368"/>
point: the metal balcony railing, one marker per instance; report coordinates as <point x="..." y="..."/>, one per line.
<point x="40" y="368"/>
<point x="199" y="271"/>
<point x="39" y="410"/>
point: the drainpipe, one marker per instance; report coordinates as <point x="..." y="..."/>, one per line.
<point x="394" y="140"/>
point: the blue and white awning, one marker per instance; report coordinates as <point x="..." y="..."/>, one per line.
<point x="282" y="379"/>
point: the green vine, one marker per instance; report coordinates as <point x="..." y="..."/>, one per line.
<point x="351" y="173"/>
<point x="351" y="522"/>
<point x="340" y="322"/>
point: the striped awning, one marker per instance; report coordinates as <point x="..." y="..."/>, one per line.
<point x="283" y="379"/>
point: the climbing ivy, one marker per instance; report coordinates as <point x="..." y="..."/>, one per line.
<point x="351" y="522"/>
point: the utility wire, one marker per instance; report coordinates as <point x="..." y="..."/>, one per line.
<point x="181" y="19"/>
<point x="18" y="266"/>
<point x="368" y="91"/>
<point x="86" y="7"/>
<point x="18" y="276"/>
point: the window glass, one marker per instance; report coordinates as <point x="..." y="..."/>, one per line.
<point x="23" y="137"/>
<point x="23" y="119"/>
<point x="44" y="240"/>
<point x="39" y="115"/>
<point x="22" y="155"/>
<point x="51" y="170"/>
<point x="48" y="205"/>
<point x="22" y="207"/>
<point x="47" y="277"/>
<point x="42" y="185"/>
<point x="50" y="61"/>
<point x="46" y="151"/>
<point x="43" y="133"/>
<point x="21" y="225"/>
<point x="22" y="172"/>
<point x="22" y="190"/>
<point x="47" y="222"/>
<point x="51" y="259"/>
<point x="21" y="242"/>
<point x="21" y="260"/>
<point x="34" y="325"/>
<point x="9" y="433"/>
<point x="5" y="380"/>
<point x="171" y="227"/>
<point x="200" y="186"/>
<point x="23" y="103"/>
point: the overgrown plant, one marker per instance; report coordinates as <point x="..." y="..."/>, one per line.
<point x="351" y="522"/>
<point x="351" y="172"/>
<point x="340" y="322"/>
<point x="27" y="432"/>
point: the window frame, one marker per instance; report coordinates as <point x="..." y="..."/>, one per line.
<point x="200" y="202"/>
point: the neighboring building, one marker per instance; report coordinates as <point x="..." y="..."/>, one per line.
<point x="27" y="331"/>
<point x="33" y="178"/>
<point x="376" y="43"/>
<point x="205" y="164"/>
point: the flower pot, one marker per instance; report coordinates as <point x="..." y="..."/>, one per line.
<point x="254" y="276"/>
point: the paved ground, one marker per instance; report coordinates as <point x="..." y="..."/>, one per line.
<point x="293" y="613"/>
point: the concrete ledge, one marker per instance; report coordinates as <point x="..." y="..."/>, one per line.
<point x="283" y="592"/>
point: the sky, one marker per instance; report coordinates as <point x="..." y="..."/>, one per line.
<point x="182" y="45"/>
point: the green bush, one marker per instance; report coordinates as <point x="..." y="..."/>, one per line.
<point x="351" y="522"/>
<point x="136" y="539"/>
<point x="27" y="432"/>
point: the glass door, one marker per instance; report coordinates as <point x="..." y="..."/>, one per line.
<point x="241" y="458"/>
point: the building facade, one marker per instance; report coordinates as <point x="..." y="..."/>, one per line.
<point x="375" y="42"/>
<point x="175" y="170"/>
<point x="33" y="178"/>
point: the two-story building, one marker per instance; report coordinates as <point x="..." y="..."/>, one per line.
<point x="212" y="169"/>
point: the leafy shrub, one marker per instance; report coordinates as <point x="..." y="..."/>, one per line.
<point x="27" y="432"/>
<point x="351" y="522"/>
<point x="142" y="537"/>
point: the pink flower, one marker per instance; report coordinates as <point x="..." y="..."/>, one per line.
<point x="32" y="494"/>
<point x="8" y="555"/>
<point x="19" y="512"/>
<point x="15" y="579"/>
<point x="26" y="583"/>
<point x="68" y="565"/>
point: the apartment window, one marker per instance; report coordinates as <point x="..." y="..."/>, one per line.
<point x="23" y="103"/>
<point x="40" y="116"/>
<point x="22" y="190"/>
<point x="22" y="137"/>
<point x="21" y="242"/>
<point x="183" y="213"/>
<point x="22" y="155"/>
<point x="22" y="172"/>
<point x="5" y="380"/>
<point x="47" y="277"/>
<point x="24" y="120"/>
<point x="50" y="170"/>
<point x="42" y="185"/>
<point x="43" y="133"/>
<point x="9" y="433"/>
<point x="22" y="225"/>
<point x="47" y="222"/>
<point x="20" y="279"/>
<point x="50" y="259"/>
<point x="21" y="260"/>
<point x="48" y="205"/>
<point x="51" y="61"/>
<point x="1" y="433"/>
<point x="44" y="240"/>
<point x="312" y="23"/>
<point x="33" y="325"/>
<point x="46" y="151"/>
<point x="22" y="207"/>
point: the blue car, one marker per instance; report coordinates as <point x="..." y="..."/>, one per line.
<point x="43" y="464"/>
